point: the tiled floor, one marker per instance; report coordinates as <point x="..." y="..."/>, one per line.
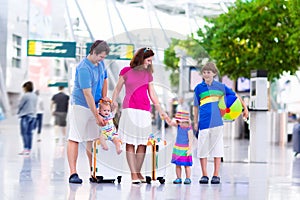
<point x="44" y="174"/>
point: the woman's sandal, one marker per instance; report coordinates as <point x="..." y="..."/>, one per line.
<point x="138" y="181"/>
<point x="143" y="180"/>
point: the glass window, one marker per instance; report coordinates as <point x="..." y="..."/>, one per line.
<point x="17" y="40"/>
<point x="16" y="62"/>
<point x="17" y="51"/>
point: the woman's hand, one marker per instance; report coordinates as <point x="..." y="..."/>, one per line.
<point x="114" y="106"/>
<point x="189" y="152"/>
<point x="164" y="115"/>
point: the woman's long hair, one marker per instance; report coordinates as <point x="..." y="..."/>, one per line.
<point x="137" y="61"/>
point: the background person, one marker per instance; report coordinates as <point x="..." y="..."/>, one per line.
<point x="39" y="115"/>
<point x="27" y="114"/>
<point x="135" y="124"/>
<point x="296" y="137"/>
<point x="90" y="86"/>
<point x="182" y="105"/>
<point x="59" y="108"/>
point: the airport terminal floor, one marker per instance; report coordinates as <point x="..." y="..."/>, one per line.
<point x="44" y="173"/>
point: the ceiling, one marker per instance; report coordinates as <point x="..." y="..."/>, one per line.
<point x="189" y="8"/>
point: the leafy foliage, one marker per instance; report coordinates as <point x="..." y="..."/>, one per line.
<point x="193" y="49"/>
<point x="258" y="34"/>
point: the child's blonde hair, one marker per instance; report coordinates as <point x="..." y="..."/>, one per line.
<point x="104" y="102"/>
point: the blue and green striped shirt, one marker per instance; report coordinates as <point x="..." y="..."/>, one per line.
<point x="207" y="98"/>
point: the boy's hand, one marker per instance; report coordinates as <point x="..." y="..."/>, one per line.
<point x="196" y="126"/>
<point x="246" y="113"/>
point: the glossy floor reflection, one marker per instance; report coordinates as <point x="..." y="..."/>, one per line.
<point x="44" y="174"/>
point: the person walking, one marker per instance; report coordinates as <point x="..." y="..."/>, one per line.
<point x="296" y="137"/>
<point x="208" y="122"/>
<point x="39" y="115"/>
<point x="90" y="85"/>
<point x="27" y="114"/>
<point x="182" y="150"/>
<point x="135" y="121"/>
<point x="59" y="108"/>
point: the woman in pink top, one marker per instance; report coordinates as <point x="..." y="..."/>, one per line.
<point x="135" y="122"/>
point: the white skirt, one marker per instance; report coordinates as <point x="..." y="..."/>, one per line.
<point x="135" y="126"/>
<point x="82" y="124"/>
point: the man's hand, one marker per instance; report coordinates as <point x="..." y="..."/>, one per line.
<point x="100" y="121"/>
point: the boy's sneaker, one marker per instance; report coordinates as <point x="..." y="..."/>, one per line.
<point x="215" y="180"/>
<point x="204" y="180"/>
<point x="187" y="181"/>
<point x="177" y="181"/>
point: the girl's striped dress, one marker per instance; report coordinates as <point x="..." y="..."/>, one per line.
<point x="179" y="156"/>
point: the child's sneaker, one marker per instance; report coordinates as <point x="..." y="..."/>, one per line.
<point x="187" y="181"/>
<point x="177" y="181"/>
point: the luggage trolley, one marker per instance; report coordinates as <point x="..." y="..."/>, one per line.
<point x="106" y="164"/>
<point x="157" y="145"/>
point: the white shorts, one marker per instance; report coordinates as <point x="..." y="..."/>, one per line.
<point x="210" y="143"/>
<point x="135" y="126"/>
<point x="82" y="124"/>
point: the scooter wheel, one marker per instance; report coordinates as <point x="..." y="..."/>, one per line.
<point x="119" y="179"/>
<point x="162" y="181"/>
<point x="99" y="179"/>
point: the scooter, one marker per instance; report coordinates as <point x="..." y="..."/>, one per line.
<point x="156" y="144"/>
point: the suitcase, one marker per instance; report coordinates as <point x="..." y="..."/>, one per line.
<point x="296" y="139"/>
<point x="156" y="159"/>
<point x="107" y="166"/>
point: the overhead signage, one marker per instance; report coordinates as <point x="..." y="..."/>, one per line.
<point x="51" y="48"/>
